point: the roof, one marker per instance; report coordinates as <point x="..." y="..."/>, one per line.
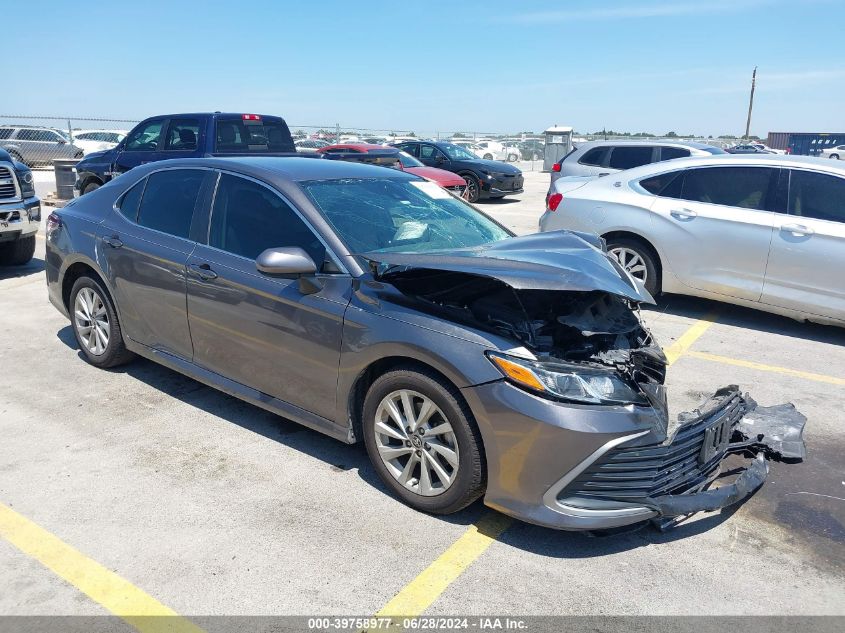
<point x="288" y="167"/>
<point x="762" y="160"/>
<point x="367" y="147"/>
<point x="558" y="129"/>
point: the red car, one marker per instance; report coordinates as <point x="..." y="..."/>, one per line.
<point x="445" y="179"/>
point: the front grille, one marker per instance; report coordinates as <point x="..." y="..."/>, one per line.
<point x="10" y="216"/>
<point x="635" y="472"/>
<point x="7" y="183"/>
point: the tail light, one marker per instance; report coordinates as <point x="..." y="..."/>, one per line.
<point x="54" y="221"/>
<point x="554" y="201"/>
<point x="556" y="167"/>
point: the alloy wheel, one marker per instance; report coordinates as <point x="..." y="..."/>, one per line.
<point x="631" y="261"/>
<point x="92" y="321"/>
<point x="416" y="442"/>
<point x="472" y="189"/>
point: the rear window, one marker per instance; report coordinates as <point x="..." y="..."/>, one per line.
<point x="668" y="153"/>
<point x="594" y="157"/>
<point x="267" y="134"/>
<point x="628" y="157"/>
<point x="665" y="185"/>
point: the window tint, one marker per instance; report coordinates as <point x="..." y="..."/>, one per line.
<point x="594" y="156"/>
<point x="745" y="187"/>
<point x="145" y="138"/>
<point x="38" y="135"/>
<point x="249" y="218"/>
<point x="5" y="132"/>
<point x="628" y="157"/>
<point x="814" y="195"/>
<point x="668" y="153"/>
<point x="267" y="134"/>
<point x="128" y="205"/>
<point x="182" y="135"/>
<point x="412" y="148"/>
<point x="665" y="185"/>
<point x="428" y="152"/>
<point x="169" y="200"/>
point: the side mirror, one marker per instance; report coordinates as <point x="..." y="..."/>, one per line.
<point x="61" y="141"/>
<point x="290" y="260"/>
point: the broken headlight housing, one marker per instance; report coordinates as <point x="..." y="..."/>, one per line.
<point x="566" y="381"/>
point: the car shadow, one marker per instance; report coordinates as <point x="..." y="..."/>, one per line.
<point x="498" y="201"/>
<point x="35" y="265"/>
<point x="344" y="457"/>
<point x="747" y="318"/>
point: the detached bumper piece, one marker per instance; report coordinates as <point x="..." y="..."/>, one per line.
<point x="673" y="478"/>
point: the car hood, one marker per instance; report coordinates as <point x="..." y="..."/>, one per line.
<point x="440" y="176"/>
<point x="490" y="166"/>
<point x="556" y="260"/>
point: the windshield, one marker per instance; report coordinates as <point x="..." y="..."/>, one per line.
<point x="397" y="215"/>
<point x="267" y="134"/>
<point x="409" y="161"/>
<point x="456" y="152"/>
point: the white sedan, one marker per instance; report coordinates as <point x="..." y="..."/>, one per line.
<point x="837" y="152"/>
<point x="97" y="140"/>
<point x="760" y="230"/>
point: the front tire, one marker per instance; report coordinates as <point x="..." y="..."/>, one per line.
<point x="19" y="252"/>
<point x="513" y="158"/>
<point x="423" y="442"/>
<point x="488" y="156"/>
<point x="473" y="192"/>
<point x="836" y="156"/>
<point x="95" y="324"/>
<point x="637" y="259"/>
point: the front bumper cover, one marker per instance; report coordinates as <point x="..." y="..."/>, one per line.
<point x="639" y="479"/>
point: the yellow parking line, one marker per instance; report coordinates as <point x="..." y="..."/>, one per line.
<point x="116" y="594"/>
<point x="685" y="341"/>
<point x="423" y="590"/>
<point x="772" y="368"/>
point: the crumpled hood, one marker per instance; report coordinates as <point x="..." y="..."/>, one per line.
<point x="556" y="260"/>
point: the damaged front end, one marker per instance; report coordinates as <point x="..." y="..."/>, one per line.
<point x="573" y="316"/>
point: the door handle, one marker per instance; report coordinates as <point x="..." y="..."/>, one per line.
<point x="113" y="241"/>
<point x="797" y="229"/>
<point x="203" y="271"/>
<point x="683" y="214"/>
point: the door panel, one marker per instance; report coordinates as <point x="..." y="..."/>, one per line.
<point x="808" y="248"/>
<point x="141" y="146"/>
<point x="714" y="247"/>
<point x="263" y="332"/>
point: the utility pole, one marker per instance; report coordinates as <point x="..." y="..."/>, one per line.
<point x="750" y="102"/>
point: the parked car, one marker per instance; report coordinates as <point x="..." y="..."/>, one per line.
<point x="36" y="145"/>
<point x="185" y="136"/>
<point x="600" y="158"/>
<point x="766" y="148"/>
<point x="484" y="178"/>
<point x="406" y="162"/>
<point x="20" y="212"/>
<point x="532" y="149"/>
<point x="836" y="152"/>
<point x="763" y="231"/>
<point x="493" y="150"/>
<point x="97" y="140"/>
<point x="310" y="145"/>
<point x="370" y="305"/>
<point x="748" y="148"/>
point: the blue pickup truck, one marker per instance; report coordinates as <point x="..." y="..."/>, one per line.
<point x="185" y="136"/>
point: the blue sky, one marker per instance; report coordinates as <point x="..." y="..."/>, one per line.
<point x="437" y="66"/>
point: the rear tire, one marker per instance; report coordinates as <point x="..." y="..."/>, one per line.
<point x="91" y="310"/>
<point x="488" y="156"/>
<point x="513" y="158"/>
<point x="450" y="442"/>
<point x="836" y="156"/>
<point x="91" y="186"/>
<point x="18" y="252"/>
<point x="638" y="259"/>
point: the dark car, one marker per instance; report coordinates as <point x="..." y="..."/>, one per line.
<point x="484" y="178"/>
<point x="20" y="212"/>
<point x="189" y="135"/>
<point x="747" y="149"/>
<point x="532" y="149"/>
<point x="373" y="306"/>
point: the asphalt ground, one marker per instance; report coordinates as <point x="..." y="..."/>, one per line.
<point x="138" y="490"/>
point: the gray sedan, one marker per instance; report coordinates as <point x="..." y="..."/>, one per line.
<point x="374" y="306"/>
<point x="765" y="231"/>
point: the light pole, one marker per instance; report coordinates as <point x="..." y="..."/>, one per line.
<point x="751" y="102"/>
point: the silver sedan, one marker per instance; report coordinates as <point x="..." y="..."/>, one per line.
<point x="765" y="231"/>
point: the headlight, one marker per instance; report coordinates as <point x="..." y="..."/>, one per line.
<point x="576" y="383"/>
<point x="26" y="182"/>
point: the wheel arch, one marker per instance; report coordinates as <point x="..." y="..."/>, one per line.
<point x="80" y="268"/>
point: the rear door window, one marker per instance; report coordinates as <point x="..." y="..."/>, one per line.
<point x="814" y="195"/>
<point x="252" y="135"/>
<point x="5" y="132"/>
<point x="628" y="157"/>
<point x="594" y="157"/>
<point x="169" y="200"/>
<point x="669" y="153"/>
<point x="744" y="187"/>
<point x="182" y="135"/>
